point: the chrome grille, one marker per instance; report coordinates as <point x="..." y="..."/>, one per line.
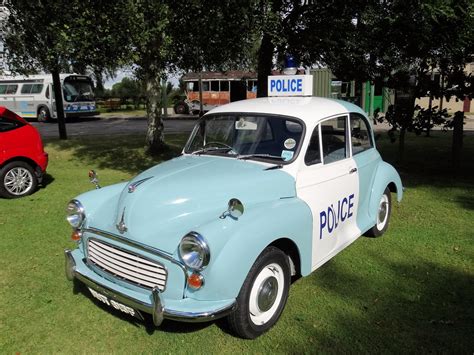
<point x="126" y="265"/>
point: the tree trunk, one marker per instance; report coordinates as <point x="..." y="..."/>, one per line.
<point x="99" y="84"/>
<point x="58" y="97"/>
<point x="155" y="141"/>
<point x="457" y="139"/>
<point x="265" y="64"/>
<point x="404" y="111"/>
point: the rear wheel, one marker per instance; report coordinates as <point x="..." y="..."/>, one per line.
<point x="181" y="108"/>
<point x="17" y="179"/>
<point x="263" y="295"/>
<point x="43" y="114"/>
<point x="383" y="215"/>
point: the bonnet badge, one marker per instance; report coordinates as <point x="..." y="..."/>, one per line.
<point x="122" y="228"/>
<point x="132" y="187"/>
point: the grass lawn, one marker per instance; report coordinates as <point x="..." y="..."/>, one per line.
<point x="409" y="291"/>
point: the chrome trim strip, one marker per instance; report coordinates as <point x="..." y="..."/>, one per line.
<point x="70" y="265"/>
<point x="139" y="245"/>
<point x="197" y="317"/>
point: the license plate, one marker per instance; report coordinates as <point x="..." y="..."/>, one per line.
<point x="117" y="305"/>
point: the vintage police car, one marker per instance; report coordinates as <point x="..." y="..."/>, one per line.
<point x="264" y="189"/>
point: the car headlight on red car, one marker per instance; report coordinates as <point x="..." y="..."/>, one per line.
<point x="75" y="214"/>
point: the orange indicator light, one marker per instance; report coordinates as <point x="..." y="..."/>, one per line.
<point x="195" y="281"/>
<point x="76" y="235"/>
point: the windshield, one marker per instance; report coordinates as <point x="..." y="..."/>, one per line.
<point x="259" y="137"/>
<point x="78" y="88"/>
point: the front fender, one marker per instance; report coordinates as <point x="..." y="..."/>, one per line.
<point x="236" y="244"/>
<point x="386" y="175"/>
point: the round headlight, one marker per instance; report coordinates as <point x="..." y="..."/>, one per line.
<point x="75" y="213"/>
<point x="194" y="251"/>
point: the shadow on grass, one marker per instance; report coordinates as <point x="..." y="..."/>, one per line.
<point x="124" y="153"/>
<point x="429" y="311"/>
<point x="47" y="179"/>
<point x="167" y="325"/>
<point x="466" y="202"/>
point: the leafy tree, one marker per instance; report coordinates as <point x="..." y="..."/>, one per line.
<point x="400" y="43"/>
<point x="211" y="35"/>
<point x="129" y="89"/>
<point x="43" y="36"/>
<point x="151" y="45"/>
<point x="304" y="29"/>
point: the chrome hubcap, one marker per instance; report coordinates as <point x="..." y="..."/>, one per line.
<point x="267" y="294"/>
<point x="382" y="214"/>
<point x="18" y="181"/>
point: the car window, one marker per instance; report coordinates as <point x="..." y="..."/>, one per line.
<point x="8" y="125"/>
<point x="26" y="88"/>
<point x="361" y="138"/>
<point x="224" y="85"/>
<point x="313" y="153"/>
<point x="264" y="137"/>
<point x="8" y="89"/>
<point x="214" y="85"/>
<point x="11" y="89"/>
<point x="333" y="137"/>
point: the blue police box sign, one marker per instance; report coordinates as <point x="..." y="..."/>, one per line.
<point x="290" y="85"/>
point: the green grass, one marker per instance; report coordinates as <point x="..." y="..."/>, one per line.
<point x="409" y="291"/>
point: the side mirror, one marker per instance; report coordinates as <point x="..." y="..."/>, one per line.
<point x="235" y="209"/>
<point x="94" y="179"/>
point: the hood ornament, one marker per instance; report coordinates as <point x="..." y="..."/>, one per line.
<point x="94" y="178"/>
<point x="132" y="187"/>
<point x="121" y="227"/>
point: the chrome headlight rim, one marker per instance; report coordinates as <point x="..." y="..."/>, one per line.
<point x="75" y="208"/>
<point x="205" y="255"/>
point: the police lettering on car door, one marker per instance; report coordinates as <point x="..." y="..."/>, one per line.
<point x="330" y="218"/>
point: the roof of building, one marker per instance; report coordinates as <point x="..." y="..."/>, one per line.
<point x="225" y="75"/>
<point x="309" y="109"/>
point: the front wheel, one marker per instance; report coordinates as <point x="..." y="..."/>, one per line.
<point x="263" y="295"/>
<point x="383" y="215"/>
<point x="43" y="114"/>
<point x="17" y="179"/>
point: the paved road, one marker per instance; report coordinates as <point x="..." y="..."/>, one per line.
<point x="123" y="125"/>
<point x="98" y="126"/>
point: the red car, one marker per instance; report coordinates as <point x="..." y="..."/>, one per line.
<point x="23" y="160"/>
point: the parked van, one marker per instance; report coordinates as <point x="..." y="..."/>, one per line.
<point x="32" y="96"/>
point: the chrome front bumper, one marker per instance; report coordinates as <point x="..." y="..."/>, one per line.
<point x="156" y="308"/>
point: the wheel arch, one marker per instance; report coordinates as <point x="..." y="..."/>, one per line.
<point x="29" y="161"/>
<point x="290" y="248"/>
<point x="385" y="176"/>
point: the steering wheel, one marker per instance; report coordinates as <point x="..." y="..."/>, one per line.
<point x="217" y="144"/>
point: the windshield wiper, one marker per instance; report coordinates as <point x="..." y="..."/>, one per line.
<point x="211" y="149"/>
<point x="265" y="156"/>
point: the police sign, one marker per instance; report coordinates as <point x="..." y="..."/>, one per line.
<point x="290" y="85"/>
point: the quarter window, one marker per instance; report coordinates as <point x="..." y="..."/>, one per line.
<point x="313" y="153"/>
<point x="360" y="134"/>
<point x="333" y="137"/>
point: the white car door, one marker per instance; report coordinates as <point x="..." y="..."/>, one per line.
<point x="328" y="183"/>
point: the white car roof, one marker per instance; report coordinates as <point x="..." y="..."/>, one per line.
<point x="309" y="109"/>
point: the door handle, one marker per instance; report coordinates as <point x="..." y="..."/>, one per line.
<point x="353" y="170"/>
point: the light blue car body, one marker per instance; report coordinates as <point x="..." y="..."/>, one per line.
<point x="191" y="193"/>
